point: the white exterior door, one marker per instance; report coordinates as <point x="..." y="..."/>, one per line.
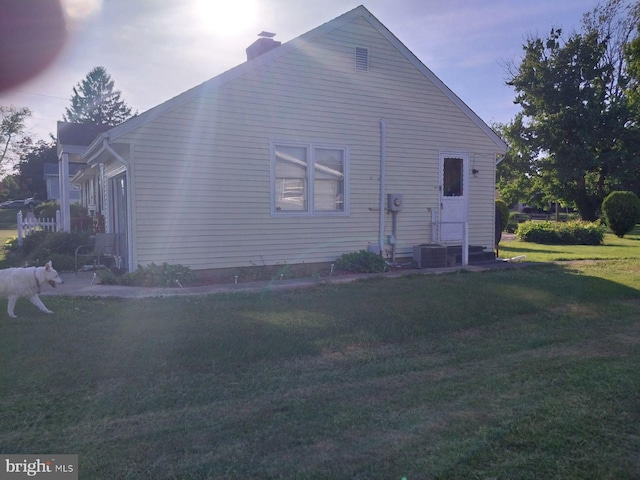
<point x="120" y="213"/>
<point x="453" y="196"/>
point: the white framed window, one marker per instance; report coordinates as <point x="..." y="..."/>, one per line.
<point x="309" y="179"/>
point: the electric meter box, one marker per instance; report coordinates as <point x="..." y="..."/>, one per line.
<point x="394" y="202"/>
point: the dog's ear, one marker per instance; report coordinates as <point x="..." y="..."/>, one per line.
<point x="47" y="267"/>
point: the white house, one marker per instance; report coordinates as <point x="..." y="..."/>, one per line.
<point x="73" y="139"/>
<point x="336" y="141"/>
<point x="52" y="180"/>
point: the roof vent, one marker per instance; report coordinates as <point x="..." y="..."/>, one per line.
<point x="362" y="59"/>
<point x="262" y="45"/>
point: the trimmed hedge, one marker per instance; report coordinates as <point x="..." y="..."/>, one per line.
<point x="621" y="211"/>
<point x="563" y="233"/>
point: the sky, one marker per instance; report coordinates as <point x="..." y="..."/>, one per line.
<point x="157" y="49"/>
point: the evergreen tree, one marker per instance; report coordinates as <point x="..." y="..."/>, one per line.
<point x="96" y="101"/>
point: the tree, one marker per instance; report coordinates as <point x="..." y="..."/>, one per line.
<point x="9" y="188"/>
<point x="95" y="101"/>
<point x="12" y="129"/>
<point x="516" y="178"/>
<point x="632" y="53"/>
<point x="30" y="176"/>
<point x="575" y="113"/>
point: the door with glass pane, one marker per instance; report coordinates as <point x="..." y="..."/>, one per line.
<point x="120" y="214"/>
<point x="453" y="196"/>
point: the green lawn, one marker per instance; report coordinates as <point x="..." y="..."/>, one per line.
<point x="8" y="227"/>
<point x="612" y="248"/>
<point x="526" y="373"/>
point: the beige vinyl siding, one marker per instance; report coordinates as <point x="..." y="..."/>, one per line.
<point x="202" y="192"/>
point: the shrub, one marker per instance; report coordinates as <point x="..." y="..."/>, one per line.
<point x="63" y="262"/>
<point x="107" y="277"/>
<point x="565" y="233"/>
<point x="39" y="247"/>
<point x="361" y="262"/>
<point x="153" y="275"/>
<point x="504" y="212"/>
<point x="80" y="219"/>
<point x="46" y="209"/>
<point x="512" y="224"/>
<point x="621" y="211"/>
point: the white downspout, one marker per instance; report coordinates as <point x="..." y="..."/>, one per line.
<point x="383" y="166"/>
<point x="465" y="241"/>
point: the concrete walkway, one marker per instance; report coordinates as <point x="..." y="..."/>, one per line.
<point x="84" y="284"/>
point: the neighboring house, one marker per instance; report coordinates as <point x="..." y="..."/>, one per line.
<point x="52" y="179"/>
<point x="291" y="157"/>
<point x="73" y="139"/>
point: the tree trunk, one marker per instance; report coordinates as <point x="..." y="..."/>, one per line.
<point x="586" y="204"/>
<point x="587" y="208"/>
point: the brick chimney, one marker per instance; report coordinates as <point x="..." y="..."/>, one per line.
<point x="262" y="45"/>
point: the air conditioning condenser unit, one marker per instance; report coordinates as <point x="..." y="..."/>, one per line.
<point x="429" y="256"/>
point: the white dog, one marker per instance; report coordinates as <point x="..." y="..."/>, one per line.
<point x="26" y="282"/>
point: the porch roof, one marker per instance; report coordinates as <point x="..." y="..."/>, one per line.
<point x="74" y="138"/>
<point x="84" y="175"/>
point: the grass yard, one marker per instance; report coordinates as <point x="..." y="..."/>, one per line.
<point x="528" y="373"/>
<point x="8" y="227"/>
<point x="612" y="248"/>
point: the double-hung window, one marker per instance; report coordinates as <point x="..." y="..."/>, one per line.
<point x="308" y="179"/>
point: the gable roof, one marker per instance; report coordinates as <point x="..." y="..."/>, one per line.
<point x="75" y="137"/>
<point x="283" y="49"/>
<point x="79" y="133"/>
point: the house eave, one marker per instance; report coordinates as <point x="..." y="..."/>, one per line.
<point x="84" y="175"/>
<point x="70" y="149"/>
<point x="102" y="150"/>
<point x="95" y="148"/>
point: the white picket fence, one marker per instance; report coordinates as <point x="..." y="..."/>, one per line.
<point x="29" y="223"/>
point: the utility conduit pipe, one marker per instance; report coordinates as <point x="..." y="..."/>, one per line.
<point x="383" y="166"/>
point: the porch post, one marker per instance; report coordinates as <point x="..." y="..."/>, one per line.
<point x="65" y="187"/>
<point x="20" y="225"/>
